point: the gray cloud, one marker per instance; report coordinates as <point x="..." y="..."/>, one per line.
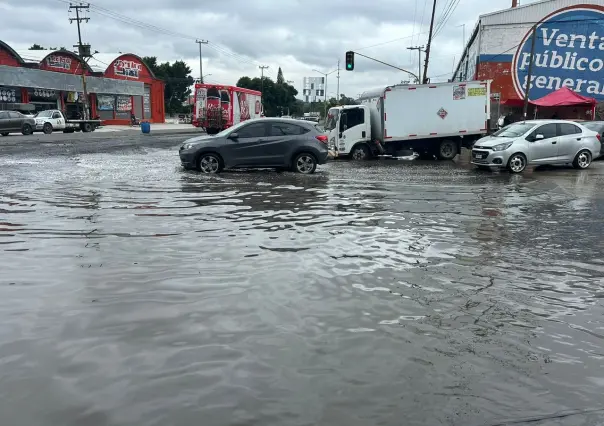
<point x="297" y="35"/>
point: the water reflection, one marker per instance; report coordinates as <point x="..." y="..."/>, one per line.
<point x="143" y="294"/>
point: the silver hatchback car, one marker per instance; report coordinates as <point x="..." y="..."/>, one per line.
<point x="537" y="142"/>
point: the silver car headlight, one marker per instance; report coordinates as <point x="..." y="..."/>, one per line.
<point x="502" y="146"/>
<point x="188" y="145"/>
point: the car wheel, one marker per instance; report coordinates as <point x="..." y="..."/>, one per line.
<point x="360" y="153"/>
<point x="517" y="163"/>
<point x="447" y="150"/>
<point x="47" y="128"/>
<point x="305" y="163"/>
<point x="582" y="160"/>
<point x="27" y="129"/>
<point x="86" y="127"/>
<point x="210" y="163"/>
<point x="4" y="133"/>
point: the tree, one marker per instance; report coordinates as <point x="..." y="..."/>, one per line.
<point x="278" y="98"/>
<point x="178" y="80"/>
<point x="331" y="102"/>
<point x="36" y="47"/>
<point x="280" y="79"/>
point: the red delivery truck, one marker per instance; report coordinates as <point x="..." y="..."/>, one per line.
<point x="218" y="107"/>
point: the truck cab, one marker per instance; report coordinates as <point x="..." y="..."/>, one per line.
<point x="348" y="128"/>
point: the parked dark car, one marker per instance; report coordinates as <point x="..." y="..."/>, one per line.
<point x="258" y="143"/>
<point x="597" y="126"/>
<point x="13" y="121"/>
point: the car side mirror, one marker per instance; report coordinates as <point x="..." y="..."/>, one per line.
<point x="234" y="136"/>
<point x="539" y="137"/>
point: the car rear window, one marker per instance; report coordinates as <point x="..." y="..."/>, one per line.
<point x="287" y="129"/>
<point x="596" y="127"/>
<point x="569" y="129"/>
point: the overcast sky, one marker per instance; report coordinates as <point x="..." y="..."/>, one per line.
<point x="298" y="35"/>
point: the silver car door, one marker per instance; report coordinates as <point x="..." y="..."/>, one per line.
<point x="543" y="148"/>
<point x="570" y="137"/>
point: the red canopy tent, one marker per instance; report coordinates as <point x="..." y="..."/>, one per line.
<point x="565" y="97"/>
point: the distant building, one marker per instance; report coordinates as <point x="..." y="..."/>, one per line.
<point x="568" y="50"/>
<point x="118" y="85"/>
<point x="313" y="89"/>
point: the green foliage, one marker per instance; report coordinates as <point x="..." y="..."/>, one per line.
<point x="177" y="76"/>
<point x="278" y="98"/>
<point x="280" y="79"/>
<point x="36" y="47"/>
<point x="332" y="102"/>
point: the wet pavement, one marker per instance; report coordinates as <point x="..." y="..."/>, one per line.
<point x="382" y="293"/>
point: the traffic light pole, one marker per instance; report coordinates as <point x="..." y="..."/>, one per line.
<point x="390" y="65"/>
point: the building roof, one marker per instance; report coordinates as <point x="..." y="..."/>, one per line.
<point x="34" y="56"/>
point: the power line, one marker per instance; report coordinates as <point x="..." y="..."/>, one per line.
<point x="156" y="29"/>
<point x="446" y="16"/>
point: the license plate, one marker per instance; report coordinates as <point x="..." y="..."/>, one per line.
<point x="478" y="156"/>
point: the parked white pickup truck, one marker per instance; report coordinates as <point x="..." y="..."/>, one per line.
<point x="53" y="119"/>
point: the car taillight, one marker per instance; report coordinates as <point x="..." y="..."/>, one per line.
<point x="599" y="137"/>
<point x="322" y="138"/>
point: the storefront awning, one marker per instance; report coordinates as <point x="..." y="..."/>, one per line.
<point x="34" y="78"/>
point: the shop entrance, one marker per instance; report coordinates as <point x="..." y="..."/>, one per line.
<point x="43" y="99"/>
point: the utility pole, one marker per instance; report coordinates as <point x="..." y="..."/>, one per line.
<point x="200" y="42"/>
<point x="262" y="68"/>
<point x="83" y="51"/>
<point x="530" y="73"/>
<point x="429" y="44"/>
<point x="419" y="49"/>
<point x="338" y="90"/>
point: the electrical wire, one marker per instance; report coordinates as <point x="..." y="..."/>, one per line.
<point x="446" y="16"/>
<point x="156" y="29"/>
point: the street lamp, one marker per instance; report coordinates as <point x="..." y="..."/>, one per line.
<point x="325" y="88"/>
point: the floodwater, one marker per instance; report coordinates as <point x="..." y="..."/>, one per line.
<point x="384" y="293"/>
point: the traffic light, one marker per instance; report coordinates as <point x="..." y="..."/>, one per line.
<point x="349" y="60"/>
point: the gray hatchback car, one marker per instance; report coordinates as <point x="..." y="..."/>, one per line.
<point x="259" y="143"/>
<point x="537" y="142"/>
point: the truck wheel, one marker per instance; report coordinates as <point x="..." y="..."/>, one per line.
<point x="47" y="128"/>
<point x="27" y="129"/>
<point x="447" y="150"/>
<point x="360" y="153"/>
<point x="86" y="127"/>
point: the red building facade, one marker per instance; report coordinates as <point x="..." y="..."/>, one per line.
<point x="117" y="87"/>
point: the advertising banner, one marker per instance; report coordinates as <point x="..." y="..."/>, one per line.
<point x="568" y="51"/>
<point x="105" y="102"/>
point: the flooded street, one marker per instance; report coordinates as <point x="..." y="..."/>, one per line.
<point x="380" y="293"/>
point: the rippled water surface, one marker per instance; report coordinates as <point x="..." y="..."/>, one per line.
<point x="385" y="293"/>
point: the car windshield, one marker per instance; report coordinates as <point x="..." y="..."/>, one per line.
<point x="514" y="130"/>
<point x="43" y="114"/>
<point x="332" y="119"/>
<point x="234" y="128"/>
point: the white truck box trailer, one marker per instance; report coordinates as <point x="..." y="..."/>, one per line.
<point x="431" y="119"/>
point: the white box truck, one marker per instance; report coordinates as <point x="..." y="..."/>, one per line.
<point x="430" y="119"/>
